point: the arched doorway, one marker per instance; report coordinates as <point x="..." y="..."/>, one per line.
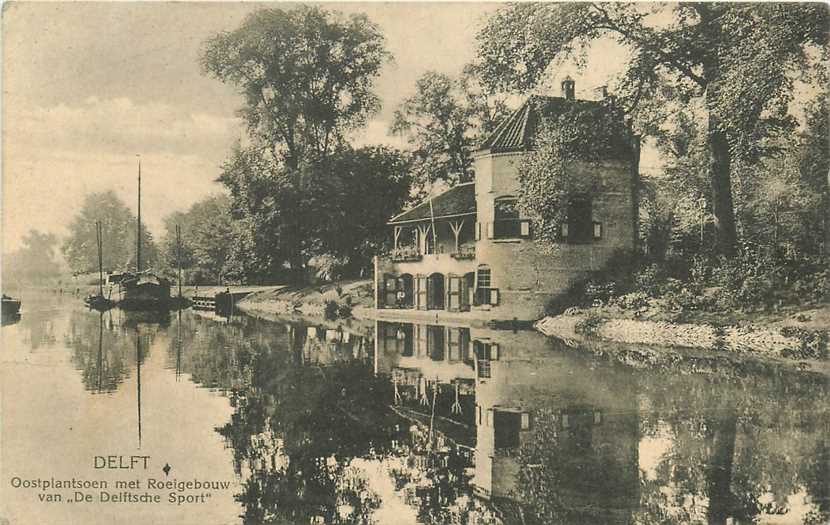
<point x="436" y="291"/>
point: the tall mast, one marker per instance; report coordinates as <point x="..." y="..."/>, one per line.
<point x="100" y="235"/>
<point x="138" y="235"/>
<point x="138" y="379"/>
<point x="179" y="256"/>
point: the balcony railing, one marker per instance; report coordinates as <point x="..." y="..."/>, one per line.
<point x="406" y="254"/>
<point x="464" y="253"/>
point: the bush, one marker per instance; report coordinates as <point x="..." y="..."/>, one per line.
<point x="631" y="301"/>
<point x="589" y="324"/>
<point x="331" y="310"/>
<point x="344" y="310"/>
<point x="598" y="291"/>
<point x="650" y="280"/>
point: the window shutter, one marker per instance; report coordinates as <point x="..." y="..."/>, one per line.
<point x="564" y="230"/>
<point x="597" y="230"/>
<point x="478" y="231"/>
<point x="478" y="413"/>
<point x="489" y="230"/>
<point x="494" y="296"/>
<point x="525" y="420"/>
<point x="494" y="352"/>
<point x="525" y="229"/>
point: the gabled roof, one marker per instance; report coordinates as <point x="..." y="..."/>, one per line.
<point x="515" y="133"/>
<point x="457" y="201"/>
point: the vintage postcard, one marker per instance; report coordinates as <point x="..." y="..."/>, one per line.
<point x="415" y="263"/>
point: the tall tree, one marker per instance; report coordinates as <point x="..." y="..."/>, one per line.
<point x="372" y="184"/>
<point x="741" y="59"/>
<point x="208" y="239"/>
<point x="119" y="229"/>
<point x="307" y="76"/>
<point x="444" y="121"/>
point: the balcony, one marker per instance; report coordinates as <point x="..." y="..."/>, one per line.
<point x="464" y="253"/>
<point x="406" y="254"/>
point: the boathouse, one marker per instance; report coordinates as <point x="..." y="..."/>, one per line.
<point x="471" y="251"/>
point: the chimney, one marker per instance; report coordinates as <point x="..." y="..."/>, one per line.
<point x="568" y="88"/>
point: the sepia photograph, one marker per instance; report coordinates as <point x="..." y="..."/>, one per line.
<point x="401" y="263"/>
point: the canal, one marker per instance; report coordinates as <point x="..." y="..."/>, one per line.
<point x="388" y="423"/>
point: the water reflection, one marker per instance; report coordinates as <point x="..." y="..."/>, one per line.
<point x="418" y="423"/>
<point x="562" y="438"/>
<point x="100" y="382"/>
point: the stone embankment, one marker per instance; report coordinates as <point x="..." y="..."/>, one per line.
<point x="784" y="342"/>
<point x="343" y="300"/>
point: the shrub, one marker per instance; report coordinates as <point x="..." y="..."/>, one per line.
<point x="589" y="324"/>
<point x="331" y="310"/>
<point x="599" y="291"/>
<point x="632" y="301"/>
<point x="650" y="280"/>
<point x="344" y="310"/>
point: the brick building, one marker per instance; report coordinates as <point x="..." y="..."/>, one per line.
<point x="470" y="251"/>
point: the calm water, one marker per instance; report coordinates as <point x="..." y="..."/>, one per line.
<point x="395" y="423"/>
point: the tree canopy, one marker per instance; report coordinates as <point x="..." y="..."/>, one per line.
<point x="741" y="59"/>
<point x="119" y="236"/>
<point x="444" y="121"/>
<point x="306" y="74"/>
<point x="208" y="241"/>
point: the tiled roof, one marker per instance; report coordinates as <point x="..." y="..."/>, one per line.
<point x="516" y="132"/>
<point x="456" y="201"/>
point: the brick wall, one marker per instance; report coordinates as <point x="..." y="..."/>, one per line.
<point x="528" y="276"/>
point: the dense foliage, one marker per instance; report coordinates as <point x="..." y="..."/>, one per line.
<point x="209" y="247"/>
<point x="582" y="134"/>
<point x="299" y="193"/>
<point x="444" y="121"/>
<point x="306" y="73"/>
<point x="738" y="61"/>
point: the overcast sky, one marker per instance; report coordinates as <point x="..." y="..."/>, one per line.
<point x="87" y="86"/>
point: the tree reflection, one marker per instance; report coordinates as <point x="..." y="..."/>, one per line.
<point x="294" y="429"/>
<point x="741" y="448"/>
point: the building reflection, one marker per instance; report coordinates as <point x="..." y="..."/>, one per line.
<point x="525" y="420"/>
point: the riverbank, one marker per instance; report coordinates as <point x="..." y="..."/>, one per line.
<point x="343" y="300"/>
<point x="793" y="335"/>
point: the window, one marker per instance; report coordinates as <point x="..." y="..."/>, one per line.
<point x="506" y="224"/>
<point x="485" y="293"/>
<point x="506" y="208"/>
<point x="580" y="226"/>
<point x="485" y="353"/>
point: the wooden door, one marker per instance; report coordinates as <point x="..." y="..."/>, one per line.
<point x="421" y="292"/>
<point x="454" y="294"/>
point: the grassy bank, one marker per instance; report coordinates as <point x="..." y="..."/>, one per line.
<point x="341" y="300"/>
